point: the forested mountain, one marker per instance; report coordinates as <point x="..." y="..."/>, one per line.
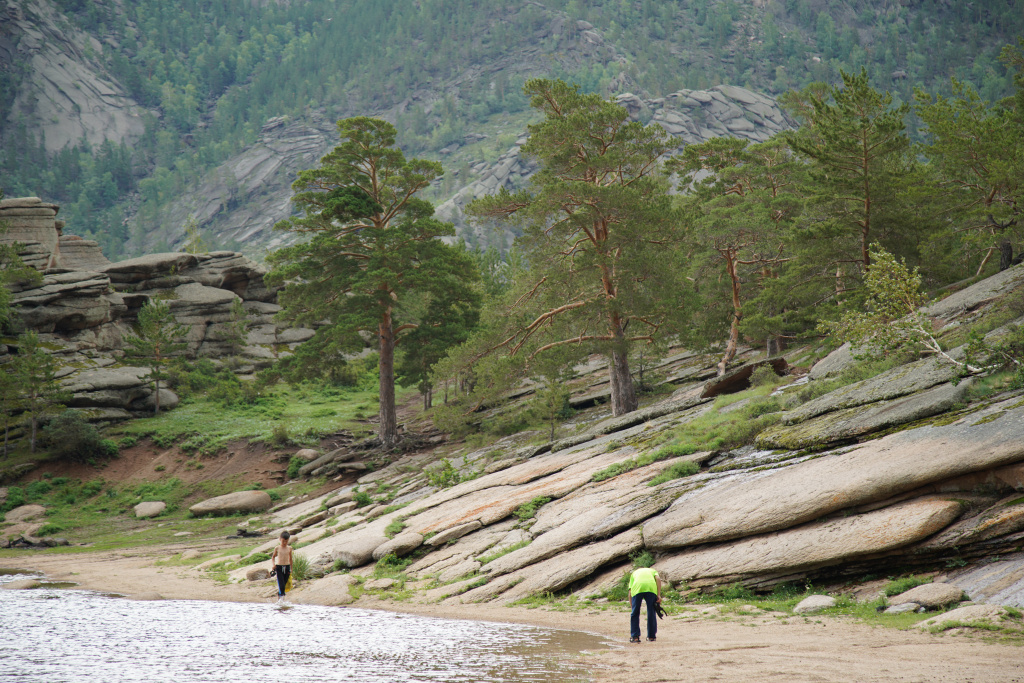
<point x="128" y="113"/>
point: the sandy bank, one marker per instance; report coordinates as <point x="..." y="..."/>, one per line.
<point x="690" y="647"/>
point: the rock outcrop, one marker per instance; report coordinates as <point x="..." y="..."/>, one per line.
<point x="231" y="503"/>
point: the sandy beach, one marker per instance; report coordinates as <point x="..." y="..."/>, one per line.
<point x="691" y="646"/>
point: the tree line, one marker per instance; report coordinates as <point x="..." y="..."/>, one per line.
<point x="757" y="244"/>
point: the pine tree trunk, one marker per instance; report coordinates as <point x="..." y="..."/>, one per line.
<point x="623" y="393"/>
<point x="32" y="436"/>
<point x="388" y="431"/>
<point x="156" y="410"/>
<point x="1005" y="255"/>
<point x="737" y="315"/>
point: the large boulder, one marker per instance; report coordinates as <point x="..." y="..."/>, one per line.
<point x="77" y="253"/>
<point x="110" y="387"/>
<point x="25" y="513"/>
<point x="812" y="546"/>
<point x="971" y="614"/>
<point x="930" y="595"/>
<point x="66" y="302"/>
<point x="400" y="545"/>
<point x="759" y="502"/>
<point x="149" y="509"/>
<point x="234" y="272"/>
<point x="152" y="271"/>
<point x="240" y="501"/>
<point x="813" y="604"/>
<point x="330" y="590"/>
<point x="454" y="533"/>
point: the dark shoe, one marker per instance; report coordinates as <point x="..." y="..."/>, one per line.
<point x="634" y="639"/>
<point x="649" y="640"/>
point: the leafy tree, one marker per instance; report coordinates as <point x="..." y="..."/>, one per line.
<point x="741" y="208"/>
<point x="598" y="232"/>
<point x="194" y="242"/>
<point x="158" y="337"/>
<point x="35" y="373"/>
<point x="856" y="143"/>
<point x="892" y="318"/>
<point x="374" y="261"/>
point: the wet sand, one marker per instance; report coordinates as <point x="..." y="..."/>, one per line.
<point x="690" y="646"/>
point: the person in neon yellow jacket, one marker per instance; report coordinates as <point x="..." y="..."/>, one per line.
<point x="644" y="586"/>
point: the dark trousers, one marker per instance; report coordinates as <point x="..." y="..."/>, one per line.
<point x="283" y="572"/>
<point x="652" y="619"/>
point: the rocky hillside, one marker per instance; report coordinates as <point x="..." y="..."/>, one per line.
<point x="240" y="200"/>
<point x="903" y="469"/>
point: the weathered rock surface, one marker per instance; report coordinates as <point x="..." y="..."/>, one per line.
<point x="307" y="454"/>
<point x="876" y="470"/>
<point x="813" y="604"/>
<point x="333" y="589"/>
<point x="379" y="584"/>
<point x="960" y="306"/>
<point x="900" y="381"/>
<point x="930" y="595"/>
<point x="25" y="513"/>
<point x="852" y="423"/>
<point x="191" y="555"/>
<point x="145" y="510"/>
<point x="453" y="533"/>
<point x="400" y="545"/>
<point x="903" y="608"/>
<point x="559" y="571"/>
<point x="991" y="614"/>
<point x="257" y="574"/>
<point x="81" y="254"/>
<point x="998" y="582"/>
<point x="240" y="501"/>
<point x="22" y="584"/>
<point x="813" y="545"/>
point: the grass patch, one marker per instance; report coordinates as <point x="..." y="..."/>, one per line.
<point x="392" y="567"/>
<point x="677" y="470"/>
<point x="501" y="553"/>
<point x="395" y="528"/>
<point x="902" y="585"/>
<point x="205" y="421"/>
<point x="529" y="510"/>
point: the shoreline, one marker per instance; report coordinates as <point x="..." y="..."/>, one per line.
<point x="691" y="646"/>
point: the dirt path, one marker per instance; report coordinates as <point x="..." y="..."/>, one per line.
<point x="690" y="647"/>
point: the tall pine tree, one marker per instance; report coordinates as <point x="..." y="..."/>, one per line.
<point x="374" y="260"/>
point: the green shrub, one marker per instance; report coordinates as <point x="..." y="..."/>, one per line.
<point x="293" y="467"/>
<point x="127" y="442"/>
<point x="529" y="510"/>
<point x="443" y="476"/>
<point x="279" y="436"/>
<point x="362" y="499"/>
<point x="390" y="566"/>
<point x="300" y="567"/>
<point x="763" y="376"/>
<point x="69" y="436"/>
<point x="642" y="559"/>
<point x="904" y="584"/>
<point x="50" y="529"/>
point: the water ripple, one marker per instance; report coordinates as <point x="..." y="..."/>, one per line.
<point x="66" y="636"/>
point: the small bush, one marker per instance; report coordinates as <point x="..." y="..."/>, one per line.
<point x="903" y="585"/>
<point x="642" y="559"/>
<point x="529" y="510"/>
<point x="300" y="567"/>
<point x="390" y="565"/>
<point x="443" y="476"/>
<point x="293" y="467"/>
<point x="127" y="442"/>
<point x="279" y="436"/>
<point x="70" y="437"/>
<point x="362" y="499"/>
<point x="763" y="376"/>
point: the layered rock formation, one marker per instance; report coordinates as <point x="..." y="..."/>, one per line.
<point x="908" y="490"/>
<point x="85" y="305"/>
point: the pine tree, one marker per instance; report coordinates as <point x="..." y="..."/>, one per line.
<point x="374" y="261"/>
<point x="856" y="143"/>
<point x="599" y="229"/>
<point x="35" y="375"/>
<point x="158" y="338"/>
<point x="741" y="210"/>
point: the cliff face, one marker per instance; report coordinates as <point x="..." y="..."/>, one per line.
<point x="85" y="305"/>
<point x="65" y="92"/>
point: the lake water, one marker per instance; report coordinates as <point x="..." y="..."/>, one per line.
<point x="55" y="635"/>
